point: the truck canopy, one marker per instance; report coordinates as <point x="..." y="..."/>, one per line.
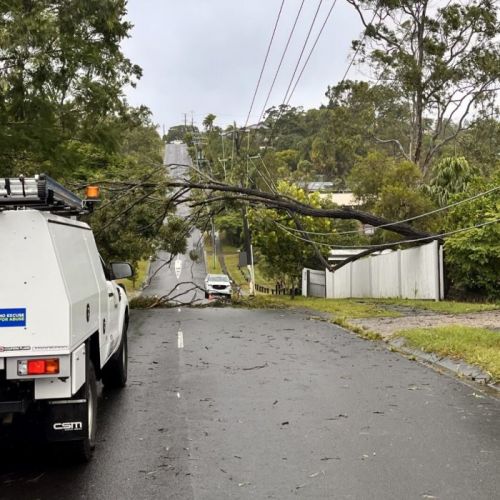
<point x="52" y="285"/>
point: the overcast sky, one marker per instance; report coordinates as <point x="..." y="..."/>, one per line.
<point x="205" y="56"/>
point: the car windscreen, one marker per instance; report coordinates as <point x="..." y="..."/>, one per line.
<point x="218" y="279"/>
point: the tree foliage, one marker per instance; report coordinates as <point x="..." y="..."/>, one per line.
<point x="451" y="175"/>
<point x="62" y="112"/>
<point x="444" y="62"/>
<point x="280" y="240"/>
<point x="61" y="78"/>
<point x="473" y="257"/>
<point x="392" y="189"/>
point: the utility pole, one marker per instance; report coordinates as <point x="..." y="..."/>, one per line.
<point x="249" y="251"/>
<point x="214" y="242"/>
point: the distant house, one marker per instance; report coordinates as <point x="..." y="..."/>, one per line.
<point x="326" y="192"/>
<point x="342" y="199"/>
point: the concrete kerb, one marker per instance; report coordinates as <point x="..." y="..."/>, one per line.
<point x="440" y="363"/>
<point x="457" y="367"/>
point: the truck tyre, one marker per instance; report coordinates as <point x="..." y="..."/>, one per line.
<point x="114" y="372"/>
<point x="82" y="449"/>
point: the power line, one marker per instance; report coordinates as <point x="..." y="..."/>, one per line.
<point x="385" y="245"/>
<point x="263" y="177"/>
<point x="313" y="22"/>
<point x="265" y="62"/>
<point x="281" y="60"/>
<point x="280" y="109"/>
<point x="437" y="210"/>
<point x="311" y="51"/>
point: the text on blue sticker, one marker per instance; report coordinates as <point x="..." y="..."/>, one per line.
<point x="12" y="317"/>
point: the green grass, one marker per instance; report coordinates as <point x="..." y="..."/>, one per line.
<point x="262" y="279"/>
<point x="231" y="257"/>
<point x="444" y="306"/>
<point x="135" y="283"/>
<point x="476" y="346"/>
<point x="339" y="308"/>
<point x="361" y="331"/>
<point x="232" y="260"/>
<point x="229" y="249"/>
<point x="209" y="264"/>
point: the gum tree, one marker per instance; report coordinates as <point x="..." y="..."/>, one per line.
<point x="445" y="62"/>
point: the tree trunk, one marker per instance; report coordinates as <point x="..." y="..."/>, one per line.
<point x="419" y="107"/>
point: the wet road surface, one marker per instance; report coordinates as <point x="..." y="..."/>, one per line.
<point x="272" y="404"/>
<point x="163" y="275"/>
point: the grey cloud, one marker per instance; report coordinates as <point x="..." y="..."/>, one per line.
<point x="206" y="55"/>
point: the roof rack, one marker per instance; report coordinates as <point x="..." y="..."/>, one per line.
<point x="41" y="193"/>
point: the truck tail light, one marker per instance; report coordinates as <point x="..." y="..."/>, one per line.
<point x="48" y="366"/>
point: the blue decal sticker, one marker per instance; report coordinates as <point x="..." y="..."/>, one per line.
<point x="12" y="317"/>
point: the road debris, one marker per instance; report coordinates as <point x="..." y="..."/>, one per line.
<point x="257" y="367"/>
<point x="316" y="474"/>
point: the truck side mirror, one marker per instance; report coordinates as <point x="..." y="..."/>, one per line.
<point x="120" y="270"/>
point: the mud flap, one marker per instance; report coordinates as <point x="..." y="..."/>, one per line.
<point x="66" y="420"/>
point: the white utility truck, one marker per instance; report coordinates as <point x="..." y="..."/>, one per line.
<point x="63" y="319"/>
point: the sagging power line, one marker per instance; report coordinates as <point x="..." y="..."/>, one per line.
<point x="281" y="60"/>
<point x="264" y="63"/>
<point x="311" y="52"/>
<point x="409" y="219"/>
<point x="388" y="245"/>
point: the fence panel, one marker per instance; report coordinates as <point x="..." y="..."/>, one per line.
<point x="361" y="278"/>
<point x="342" y="282"/>
<point x="386" y="275"/>
<point x="420" y="272"/>
<point x="414" y="273"/>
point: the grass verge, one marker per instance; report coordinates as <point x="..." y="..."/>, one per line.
<point x="135" y="284"/>
<point x="339" y="308"/>
<point x="476" y="346"/>
<point x="361" y="331"/>
<point x="232" y="261"/>
<point x="444" y="306"/>
<point x="211" y="265"/>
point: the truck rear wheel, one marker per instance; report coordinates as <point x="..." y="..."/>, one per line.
<point x="114" y="372"/>
<point x="82" y="449"/>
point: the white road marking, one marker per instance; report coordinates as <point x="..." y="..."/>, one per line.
<point x="178" y="268"/>
<point x="180" y="340"/>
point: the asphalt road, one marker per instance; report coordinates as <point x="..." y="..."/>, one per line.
<point x="268" y="404"/>
<point x="182" y="272"/>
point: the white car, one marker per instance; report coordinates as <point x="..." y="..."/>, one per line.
<point x="217" y="285"/>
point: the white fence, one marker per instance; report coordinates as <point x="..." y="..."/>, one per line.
<point x="415" y="273"/>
